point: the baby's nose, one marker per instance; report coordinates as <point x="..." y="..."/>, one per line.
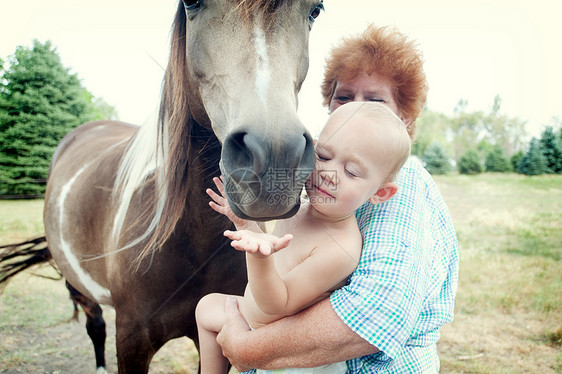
<point x="329" y="176"/>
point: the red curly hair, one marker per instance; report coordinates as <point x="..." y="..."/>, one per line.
<point x="391" y="55"/>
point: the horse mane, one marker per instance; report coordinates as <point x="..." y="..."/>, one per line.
<point x="148" y="158"/>
<point x="158" y="153"/>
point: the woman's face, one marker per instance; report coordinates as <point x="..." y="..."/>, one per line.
<point x="365" y="87"/>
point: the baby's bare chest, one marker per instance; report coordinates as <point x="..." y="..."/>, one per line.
<point x="301" y="247"/>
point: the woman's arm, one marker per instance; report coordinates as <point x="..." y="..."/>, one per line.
<point x="316" y="336"/>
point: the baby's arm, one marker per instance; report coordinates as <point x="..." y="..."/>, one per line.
<point x="328" y="265"/>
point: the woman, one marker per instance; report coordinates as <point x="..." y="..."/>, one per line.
<point x="387" y="318"/>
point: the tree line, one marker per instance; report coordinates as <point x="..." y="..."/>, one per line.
<point x="477" y="142"/>
<point x="41" y="101"/>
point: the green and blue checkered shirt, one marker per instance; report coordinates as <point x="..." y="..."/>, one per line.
<point x="404" y="287"/>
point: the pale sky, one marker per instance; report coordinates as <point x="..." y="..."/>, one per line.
<point x="473" y="49"/>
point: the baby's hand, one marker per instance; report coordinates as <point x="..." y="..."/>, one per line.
<point x="220" y="204"/>
<point x="258" y="244"/>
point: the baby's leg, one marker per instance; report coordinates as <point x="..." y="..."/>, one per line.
<point x="210" y="319"/>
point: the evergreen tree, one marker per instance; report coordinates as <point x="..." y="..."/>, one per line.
<point x="496" y="161"/>
<point x="436" y="162"/>
<point x="515" y="160"/>
<point x="40" y="102"/>
<point x="432" y="127"/>
<point x="470" y="163"/>
<point x="551" y="150"/>
<point x="533" y="162"/>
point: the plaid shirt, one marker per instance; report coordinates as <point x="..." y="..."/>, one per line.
<point x="404" y="287"/>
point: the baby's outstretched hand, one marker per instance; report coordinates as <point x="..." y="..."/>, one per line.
<point x="220" y="204"/>
<point x="258" y="244"/>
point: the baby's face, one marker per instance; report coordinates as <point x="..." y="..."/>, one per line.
<point x="352" y="162"/>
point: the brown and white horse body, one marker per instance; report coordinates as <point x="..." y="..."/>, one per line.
<point x="126" y="214"/>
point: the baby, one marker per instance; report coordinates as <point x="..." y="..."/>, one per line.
<point x="358" y="153"/>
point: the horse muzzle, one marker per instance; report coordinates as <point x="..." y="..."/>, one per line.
<point x="264" y="176"/>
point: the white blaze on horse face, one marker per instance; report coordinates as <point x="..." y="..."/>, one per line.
<point x="99" y="293"/>
<point x="263" y="71"/>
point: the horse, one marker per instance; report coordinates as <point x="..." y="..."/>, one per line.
<point x="127" y="219"/>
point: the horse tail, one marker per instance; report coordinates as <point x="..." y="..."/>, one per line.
<point x="18" y="257"/>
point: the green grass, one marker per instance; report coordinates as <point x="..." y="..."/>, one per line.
<point x="34" y="302"/>
<point x="510" y="235"/>
<point x="508" y="314"/>
<point x="20" y="220"/>
<point x="509" y="302"/>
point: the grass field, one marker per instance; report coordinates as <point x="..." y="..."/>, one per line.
<point x="508" y="311"/>
<point x="509" y="303"/>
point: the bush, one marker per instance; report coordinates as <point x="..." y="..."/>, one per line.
<point x="533" y="162"/>
<point x="496" y="161"/>
<point x="470" y="163"/>
<point x="436" y="162"/>
<point x="551" y="150"/>
<point x="515" y="160"/>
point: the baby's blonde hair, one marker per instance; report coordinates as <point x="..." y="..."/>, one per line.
<point x="391" y="126"/>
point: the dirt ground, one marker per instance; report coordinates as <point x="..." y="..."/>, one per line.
<point x="65" y="348"/>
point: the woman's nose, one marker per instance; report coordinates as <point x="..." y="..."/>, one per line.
<point x="359" y="97"/>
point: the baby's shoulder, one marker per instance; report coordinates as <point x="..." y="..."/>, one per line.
<point x="343" y="240"/>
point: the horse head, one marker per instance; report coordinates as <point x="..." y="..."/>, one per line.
<point x="245" y="63"/>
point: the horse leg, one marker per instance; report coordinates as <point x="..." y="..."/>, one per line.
<point x="75" y="314"/>
<point x="135" y="346"/>
<point x="95" y="324"/>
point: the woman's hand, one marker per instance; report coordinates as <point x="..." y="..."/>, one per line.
<point x="258" y="244"/>
<point x="233" y="334"/>
<point x="220" y="204"/>
<point x="313" y="337"/>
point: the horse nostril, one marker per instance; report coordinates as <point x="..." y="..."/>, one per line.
<point x="243" y="150"/>
<point x="254" y="151"/>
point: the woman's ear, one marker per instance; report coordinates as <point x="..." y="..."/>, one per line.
<point x="384" y="193"/>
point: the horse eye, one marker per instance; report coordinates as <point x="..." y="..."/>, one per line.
<point x="192" y="4"/>
<point x="316" y="11"/>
